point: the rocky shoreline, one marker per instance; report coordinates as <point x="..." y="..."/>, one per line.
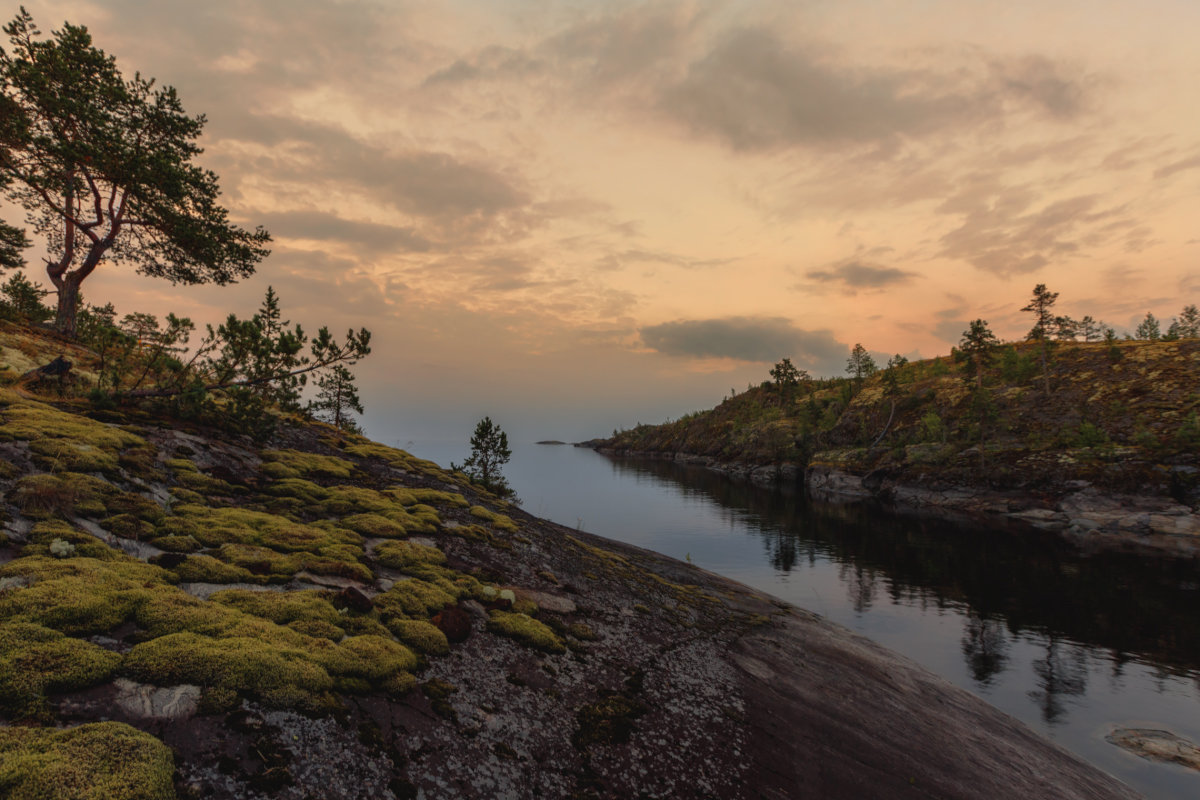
<point x="1076" y="509"/>
<point x="1079" y="512"/>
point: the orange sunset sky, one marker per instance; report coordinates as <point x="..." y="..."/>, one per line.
<point x="575" y="216"/>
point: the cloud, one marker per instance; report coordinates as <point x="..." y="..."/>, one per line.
<point x="1177" y="166"/>
<point x="614" y="261"/>
<point x="429" y="184"/>
<point x="318" y="225"/>
<point x="629" y="45"/>
<point x="854" y="275"/>
<point x="1043" y="83"/>
<point x="951" y="330"/>
<point x="753" y="91"/>
<point x="491" y="63"/>
<point x="765" y="339"/>
<point x="1000" y="233"/>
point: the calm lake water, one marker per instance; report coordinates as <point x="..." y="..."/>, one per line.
<point x="1071" y="644"/>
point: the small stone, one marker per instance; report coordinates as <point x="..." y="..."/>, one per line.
<point x="150" y="702"/>
<point x="1157" y="745"/>
<point x="454" y="623"/>
<point x="354" y="598"/>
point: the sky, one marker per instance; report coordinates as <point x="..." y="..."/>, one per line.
<point x="578" y="216"/>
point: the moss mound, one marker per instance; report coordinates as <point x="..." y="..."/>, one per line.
<point x="526" y="630"/>
<point x="100" y="761"/>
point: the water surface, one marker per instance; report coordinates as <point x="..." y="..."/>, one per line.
<point x="1071" y="644"/>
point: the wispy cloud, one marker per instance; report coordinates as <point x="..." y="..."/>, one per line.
<point x="765" y="339"/>
<point x="854" y="275"/>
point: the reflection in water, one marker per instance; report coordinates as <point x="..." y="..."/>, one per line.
<point x="860" y="586"/>
<point x="1008" y="582"/>
<point x="985" y="647"/>
<point x="1061" y="674"/>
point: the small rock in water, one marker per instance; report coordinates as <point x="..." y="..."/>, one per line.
<point x="1157" y="745"/>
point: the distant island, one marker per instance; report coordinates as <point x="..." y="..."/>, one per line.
<point x="550" y="441"/>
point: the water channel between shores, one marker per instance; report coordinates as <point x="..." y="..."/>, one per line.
<point x="1072" y="644"/>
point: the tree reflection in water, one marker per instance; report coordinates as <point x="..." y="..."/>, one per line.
<point x="1009" y="581"/>
<point x="985" y="647"/>
<point x="1061" y="674"/>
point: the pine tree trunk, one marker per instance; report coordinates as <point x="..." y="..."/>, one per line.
<point x="68" y="301"/>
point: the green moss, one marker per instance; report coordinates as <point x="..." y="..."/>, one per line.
<point x="365" y="448"/>
<point x="127" y="526"/>
<point x="83" y="544"/>
<point x="375" y="525"/>
<point x="181" y="466"/>
<point x="184" y="495"/>
<point x="206" y="569"/>
<point x="278" y="471"/>
<point x="298" y="464"/>
<point x="280" y="607"/>
<point x="318" y="629"/>
<point x="334" y="565"/>
<point x="525" y="606"/>
<point x="61" y="441"/>
<point x="400" y="555"/>
<point x="411" y="497"/>
<point x="78" y="595"/>
<point x="526" y="630"/>
<point x="339" y="560"/>
<point x="345" y="500"/>
<point x="47" y="494"/>
<point x="216" y="526"/>
<point x="215" y="644"/>
<point x="499" y="521"/>
<point x="306" y="492"/>
<point x="35" y="660"/>
<point x="98" y="761"/>
<point x="583" y="632"/>
<point x="192" y="478"/>
<point x="414" y="598"/>
<point x="421" y="636"/>
<point x="261" y="560"/>
<point x="371" y="658"/>
<point x="277" y="673"/>
<point x="176" y="544"/>
<point x="140" y="461"/>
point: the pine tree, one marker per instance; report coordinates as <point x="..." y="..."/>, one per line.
<point x="1090" y="329"/>
<point x="1148" y="329"/>
<point x="1041" y="305"/>
<point x="1189" y="323"/>
<point x="860" y="365"/>
<point x="787" y="378"/>
<point x="336" y="397"/>
<point x="21" y="298"/>
<point x="104" y="167"/>
<point x="489" y="452"/>
<point x="978" y="347"/>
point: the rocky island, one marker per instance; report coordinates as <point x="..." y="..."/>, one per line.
<point x="187" y="613"/>
<point x="1104" y="448"/>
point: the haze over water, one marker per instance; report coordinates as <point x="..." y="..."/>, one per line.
<point x="1073" y="645"/>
